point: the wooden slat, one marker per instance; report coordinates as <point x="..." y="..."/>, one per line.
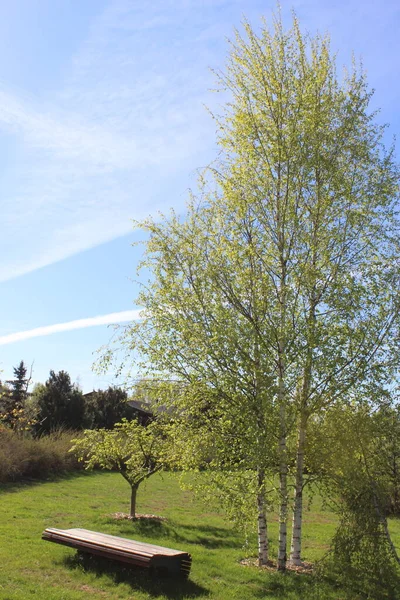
<point x="112" y="541"/>
<point x="122" y="549"/>
<point x="81" y="539"/>
<point x="80" y="545"/>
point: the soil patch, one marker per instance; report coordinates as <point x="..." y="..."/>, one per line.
<point x="139" y="517"/>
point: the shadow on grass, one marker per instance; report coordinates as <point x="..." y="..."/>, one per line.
<point x="28" y="482"/>
<point x="208" y="536"/>
<point x="303" y="586"/>
<point x="138" y="579"/>
<point x="284" y="585"/>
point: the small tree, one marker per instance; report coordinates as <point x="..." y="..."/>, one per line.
<point x="14" y="398"/>
<point x="19" y="385"/>
<point x="135" y="451"/>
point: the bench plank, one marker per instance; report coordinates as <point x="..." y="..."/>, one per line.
<point x="122" y="549"/>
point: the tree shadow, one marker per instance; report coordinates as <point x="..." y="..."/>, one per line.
<point x="30" y="482"/>
<point x="294" y="585"/>
<point x="138" y="579"/>
<point x="211" y="537"/>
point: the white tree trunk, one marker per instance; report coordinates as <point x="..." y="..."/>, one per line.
<point x="283" y="467"/>
<point x="262" y="522"/>
<point x="283" y="509"/>
<point x="282" y="551"/>
<point x="295" y="549"/>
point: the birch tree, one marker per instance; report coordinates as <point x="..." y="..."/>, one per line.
<point x="307" y="156"/>
<point x="276" y="294"/>
<point x="209" y="330"/>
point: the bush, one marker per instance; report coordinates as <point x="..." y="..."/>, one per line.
<point x="25" y="457"/>
<point x="362" y="559"/>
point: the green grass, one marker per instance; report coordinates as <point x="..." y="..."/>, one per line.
<point x="31" y="568"/>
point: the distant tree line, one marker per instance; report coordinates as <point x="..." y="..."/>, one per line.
<point x="58" y="404"/>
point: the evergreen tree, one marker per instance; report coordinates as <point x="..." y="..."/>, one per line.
<point x="19" y="385"/>
<point x="14" y="395"/>
<point x="105" y="408"/>
<point x="60" y="404"/>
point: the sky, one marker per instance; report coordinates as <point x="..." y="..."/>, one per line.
<point x="103" y="123"/>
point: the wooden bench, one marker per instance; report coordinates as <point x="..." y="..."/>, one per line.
<point x="157" y="558"/>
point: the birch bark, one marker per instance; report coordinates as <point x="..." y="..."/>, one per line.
<point x="295" y="548"/>
<point x="262" y="522"/>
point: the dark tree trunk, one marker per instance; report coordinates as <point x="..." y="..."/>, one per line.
<point x="134" y="489"/>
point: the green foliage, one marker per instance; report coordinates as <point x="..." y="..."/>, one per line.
<point x="354" y="462"/>
<point x="361" y="558"/>
<point x="277" y="293"/>
<point x="13" y="400"/>
<point x="235" y="492"/>
<point x="135" y="451"/>
<point x="104" y="408"/>
<point x="59" y="404"/>
<point x="387" y="421"/>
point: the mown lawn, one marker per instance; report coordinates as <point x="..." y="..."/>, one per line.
<point x="32" y="568"/>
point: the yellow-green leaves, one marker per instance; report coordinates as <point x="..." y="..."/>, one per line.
<point x="277" y="293"/>
<point x="130" y="448"/>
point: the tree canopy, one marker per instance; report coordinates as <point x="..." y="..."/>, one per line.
<point x="60" y="404"/>
<point x="135" y="451"/>
<point x="276" y="294"/>
<point x="13" y="397"/>
<point x="105" y="408"/>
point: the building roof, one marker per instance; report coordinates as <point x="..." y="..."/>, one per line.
<point x="139" y="405"/>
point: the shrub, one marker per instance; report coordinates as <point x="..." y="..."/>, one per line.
<point x="362" y="558"/>
<point x="25" y="457"/>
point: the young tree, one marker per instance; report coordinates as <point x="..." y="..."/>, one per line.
<point x="135" y="451"/>
<point x="277" y="294"/>
<point x="14" y="397"/>
<point x="59" y="403"/>
<point x="19" y="385"/>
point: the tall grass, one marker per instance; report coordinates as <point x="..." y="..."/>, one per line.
<point x="23" y="457"/>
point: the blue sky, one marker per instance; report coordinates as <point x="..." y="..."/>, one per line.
<point x="102" y="121"/>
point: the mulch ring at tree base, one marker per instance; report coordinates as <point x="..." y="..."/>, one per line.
<point x="139" y="517"/>
<point x="305" y="567"/>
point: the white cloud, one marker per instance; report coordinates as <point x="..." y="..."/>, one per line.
<point x="111" y="318"/>
<point x="118" y="140"/>
<point x="125" y="130"/>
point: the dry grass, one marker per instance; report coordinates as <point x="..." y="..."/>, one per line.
<point x="23" y="457"/>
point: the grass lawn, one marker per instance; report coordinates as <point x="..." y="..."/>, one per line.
<point x="31" y="568"/>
